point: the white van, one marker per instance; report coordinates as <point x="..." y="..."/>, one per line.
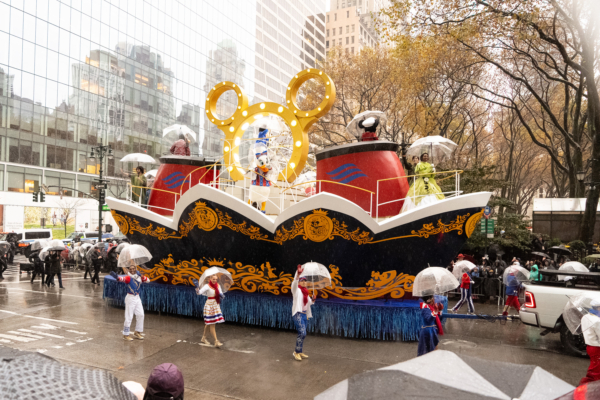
<point x="24" y="238"/>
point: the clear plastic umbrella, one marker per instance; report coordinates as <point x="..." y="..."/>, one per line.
<point x="571" y="266"/>
<point x="136" y="254"/>
<point x="434" y="280"/>
<point x="39" y="244"/>
<point x="121" y="247"/>
<point x="353" y="125"/>
<point x="316" y="274"/>
<point x="139" y="157"/>
<point x="576" y="308"/>
<point x="4" y="247"/>
<point x="520" y="273"/>
<point x="460" y="267"/>
<point x="436" y="146"/>
<point x="224" y="278"/>
<point x="84" y="248"/>
<point x="44" y="252"/>
<point x="177" y="129"/>
<point x="56" y="243"/>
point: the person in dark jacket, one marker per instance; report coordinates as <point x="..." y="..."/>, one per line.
<point x="97" y="261"/>
<point x="38" y="265"/>
<point x="112" y="260"/>
<point x="3" y="264"/>
<point x="54" y="268"/>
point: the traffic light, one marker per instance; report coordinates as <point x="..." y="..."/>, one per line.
<point x="42" y="197"/>
<point x="101" y="196"/>
<point x="35" y="197"/>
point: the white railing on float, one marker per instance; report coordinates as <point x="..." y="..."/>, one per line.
<point x="453" y="174"/>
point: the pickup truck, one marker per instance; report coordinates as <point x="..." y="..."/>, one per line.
<point x="545" y="301"/>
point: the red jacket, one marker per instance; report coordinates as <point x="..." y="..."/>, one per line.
<point x="466" y="281"/>
<point x="179" y="148"/>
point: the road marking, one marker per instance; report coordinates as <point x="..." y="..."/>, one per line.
<point x="29" y="335"/>
<point x="41" y="333"/>
<point x="29" y="281"/>
<point x="17" y="338"/>
<point x="220" y="348"/>
<point x="57" y="293"/>
<point x="45" y="319"/>
<point x="79" y="333"/>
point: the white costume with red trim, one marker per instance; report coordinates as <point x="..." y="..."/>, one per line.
<point x="133" y="303"/>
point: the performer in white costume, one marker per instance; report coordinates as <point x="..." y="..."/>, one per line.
<point x="133" y="303"/>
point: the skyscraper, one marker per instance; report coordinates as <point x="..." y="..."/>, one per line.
<point x="77" y="73"/>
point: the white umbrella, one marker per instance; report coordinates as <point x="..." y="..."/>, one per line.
<point x="56" y="242"/>
<point x="434" y="280"/>
<point x="572" y="266"/>
<point x="224" y="278"/>
<point x="151" y="173"/>
<point x="317" y="274"/>
<point x="39" y="244"/>
<point x="576" y="308"/>
<point x="520" y="273"/>
<point x="460" y="267"/>
<point x="353" y="125"/>
<point x="135" y="253"/>
<point x="436" y="146"/>
<point x="138" y="157"/>
<point x="177" y="129"/>
<point x="121" y="247"/>
<point x="44" y="252"/>
<point x="84" y="248"/>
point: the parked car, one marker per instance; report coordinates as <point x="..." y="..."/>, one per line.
<point x="85" y="237"/>
<point x="24" y="238"/>
<point x="546" y="300"/>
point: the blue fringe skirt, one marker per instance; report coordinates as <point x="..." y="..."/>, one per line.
<point x="428" y="340"/>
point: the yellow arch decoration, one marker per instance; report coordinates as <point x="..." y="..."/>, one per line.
<point x="298" y="120"/>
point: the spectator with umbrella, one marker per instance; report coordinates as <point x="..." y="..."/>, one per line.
<point x="181" y="147"/>
<point x="96" y="258"/>
<point x="38" y="265"/>
<point x="213" y="284"/>
<point x="431" y="281"/>
<point x="130" y="258"/>
<point x="319" y="277"/>
<point x="54" y="267"/>
<point x="4" y="249"/>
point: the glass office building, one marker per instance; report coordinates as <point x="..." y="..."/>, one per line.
<point x="77" y="73"/>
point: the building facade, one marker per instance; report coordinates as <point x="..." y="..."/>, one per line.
<point x="78" y="73"/>
<point x="350" y="24"/>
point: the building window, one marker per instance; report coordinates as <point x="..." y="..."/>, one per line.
<point x="347" y="50"/>
<point x="333" y="32"/>
<point x="347" y="28"/>
<point x="327" y="17"/>
<point x="340" y="42"/>
<point x="352" y="39"/>
<point x="335" y="17"/>
<point x="347" y="40"/>
<point x="327" y="32"/>
<point x="352" y="27"/>
<point x="352" y="51"/>
<point x="327" y="44"/>
<point x="341" y="28"/>
<point x="347" y="14"/>
<point x="16" y="179"/>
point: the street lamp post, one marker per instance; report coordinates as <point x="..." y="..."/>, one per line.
<point x="101" y="152"/>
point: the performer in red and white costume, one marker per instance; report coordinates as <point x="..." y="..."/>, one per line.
<point x="212" y="308"/>
<point x="133" y="303"/>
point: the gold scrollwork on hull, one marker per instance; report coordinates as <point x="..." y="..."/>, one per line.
<point x="472" y="222"/>
<point x="318" y="227"/>
<point x="252" y="231"/>
<point x="265" y="279"/>
<point x="430" y="230"/>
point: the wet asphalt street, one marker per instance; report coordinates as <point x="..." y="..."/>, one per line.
<point x="75" y="325"/>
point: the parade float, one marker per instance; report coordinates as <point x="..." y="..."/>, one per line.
<point x="196" y="219"/>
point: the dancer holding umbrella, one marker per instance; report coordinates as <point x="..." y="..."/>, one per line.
<point x="213" y="284"/>
<point x="429" y="282"/>
<point x="312" y="275"/>
<point x="130" y="258"/>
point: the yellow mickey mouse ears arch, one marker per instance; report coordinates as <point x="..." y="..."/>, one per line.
<point x="298" y="120"/>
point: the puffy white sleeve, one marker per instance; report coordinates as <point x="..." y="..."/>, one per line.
<point x="295" y="284"/>
<point x="203" y="290"/>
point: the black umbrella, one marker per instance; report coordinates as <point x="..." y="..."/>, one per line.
<point x="25" y="375"/>
<point x="560" y="250"/>
<point x="539" y="253"/>
<point x="445" y="375"/>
